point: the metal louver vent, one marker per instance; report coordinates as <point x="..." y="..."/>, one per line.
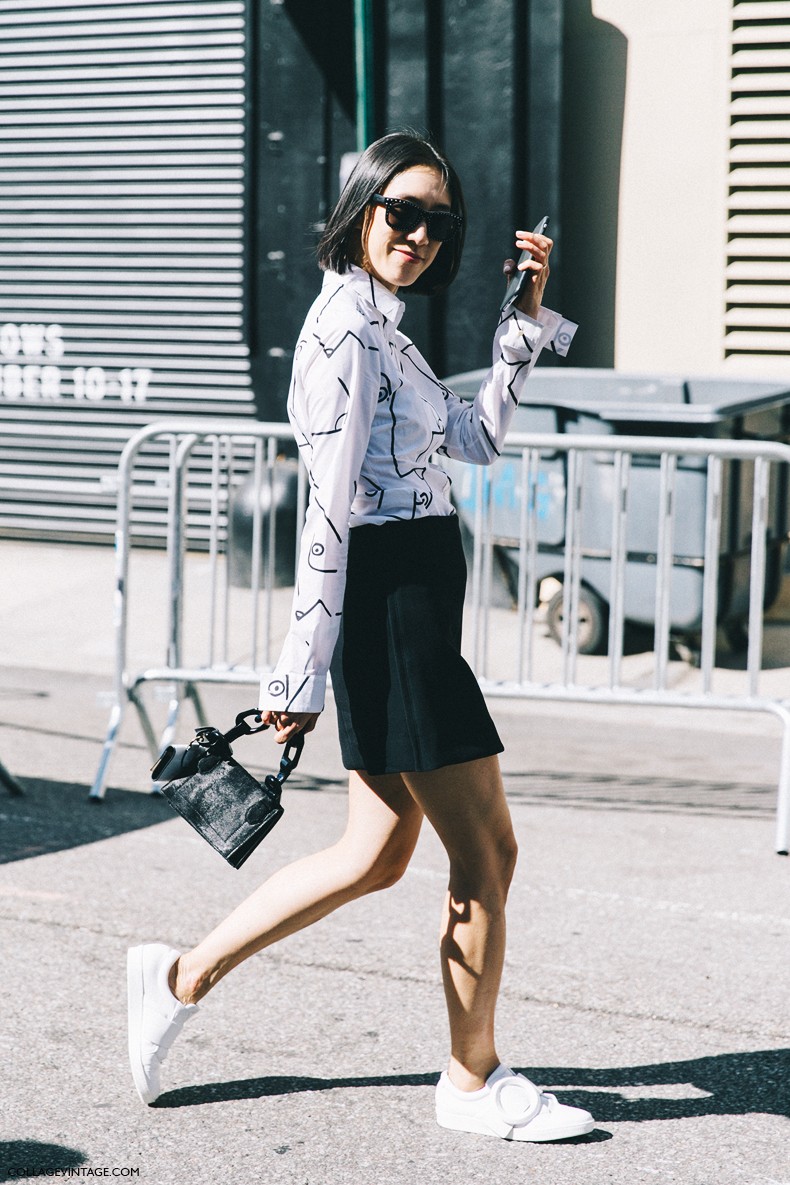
<point x="757" y="332"/>
<point x="122" y="144"/>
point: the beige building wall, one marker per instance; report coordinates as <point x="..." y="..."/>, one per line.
<point x="672" y="211"/>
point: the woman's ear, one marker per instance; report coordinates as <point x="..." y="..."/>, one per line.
<point x="355" y="252"/>
<point x="357" y="240"/>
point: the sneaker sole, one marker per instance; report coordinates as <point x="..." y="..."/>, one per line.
<point x="136" y="993"/>
<point x="462" y="1123"/>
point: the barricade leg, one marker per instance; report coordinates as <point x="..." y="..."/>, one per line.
<point x="197" y="703"/>
<point x="145" y="721"/>
<point x="183" y="692"/>
<point x="100" y="781"/>
<point x="173" y="716"/>
<point x="783" y="801"/>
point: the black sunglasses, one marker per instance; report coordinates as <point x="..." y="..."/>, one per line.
<point x="406" y="216"/>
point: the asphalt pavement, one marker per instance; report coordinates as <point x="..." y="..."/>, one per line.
<point x="647" y="974"/>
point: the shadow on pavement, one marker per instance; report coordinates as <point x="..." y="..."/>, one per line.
<point x="625" y="792"/>
<point x="30" y="1158"/>
<point x="725" y="1084"/>
<point x="53" y="816"/>
<point x="259" y="1088"/>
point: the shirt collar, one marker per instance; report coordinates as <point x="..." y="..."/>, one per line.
<point x="371" y="291"/>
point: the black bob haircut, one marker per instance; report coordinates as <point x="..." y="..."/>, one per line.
<point x="341" y="242"/>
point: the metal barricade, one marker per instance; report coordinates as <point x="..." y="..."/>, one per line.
<point x="206" y="460"/>
<point x="606" y="681"/>
<point x="222" y="441"/>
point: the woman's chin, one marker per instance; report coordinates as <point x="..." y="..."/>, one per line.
<point x="400" y="272"/>
<point x="406" y="271"/>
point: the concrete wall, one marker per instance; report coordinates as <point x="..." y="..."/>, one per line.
<point x="647" y="118"/>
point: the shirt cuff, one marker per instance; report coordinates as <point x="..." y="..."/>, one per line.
<point x="292" y="693"/>
<point x="519" y="337"/>
<point x="560" y="331"/>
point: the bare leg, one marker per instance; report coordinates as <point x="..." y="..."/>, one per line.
<point x="383" y="827"/>
<point x="466" y="805"/>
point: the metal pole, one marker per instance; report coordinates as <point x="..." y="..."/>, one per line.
<point x="522" y="563"/>
<point x="214" y="512"/>
<point x="783" y="801"/>
<point x="710" y="578"/>
<point x="271" y="548"/>
<point x="479" y="480"/>
<point x="120" y="612"/>
<point x="664" y="564"/>
<point x="757" y="583"/>
<point x="572" y="573"/>
<point x="622" y="473"/>
<point x="532" y="587"/>
<point x="363" y="63"/>
<point x="257" y="539"/>
<point x="176" y="537"/>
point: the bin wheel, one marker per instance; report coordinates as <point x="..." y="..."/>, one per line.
<point x="591" y="638"/>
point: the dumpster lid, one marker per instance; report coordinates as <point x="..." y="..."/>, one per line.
<point x="620" y="396"/>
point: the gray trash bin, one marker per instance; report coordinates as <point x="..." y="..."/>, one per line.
<point x="603" y="402"/>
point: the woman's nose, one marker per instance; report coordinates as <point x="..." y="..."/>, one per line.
<point x="420" y="233"/>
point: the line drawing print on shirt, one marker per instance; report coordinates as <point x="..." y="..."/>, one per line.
<point x="382" y="415"/>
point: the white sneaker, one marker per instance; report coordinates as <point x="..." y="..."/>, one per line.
<point x="156" y="1017"/>
<point x="509" y="1106"/>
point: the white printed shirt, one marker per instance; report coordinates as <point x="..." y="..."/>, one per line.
<point x="368" y="413"/>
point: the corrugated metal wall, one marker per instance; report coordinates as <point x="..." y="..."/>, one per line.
<point x="758" y="265"/>
<point x="122" y="136"/>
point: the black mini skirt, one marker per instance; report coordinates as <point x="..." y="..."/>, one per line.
<point x="406" y="699"/>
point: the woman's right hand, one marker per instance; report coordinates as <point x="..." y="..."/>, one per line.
<point x="538" y="266"/>
<point x="287" y="724"/>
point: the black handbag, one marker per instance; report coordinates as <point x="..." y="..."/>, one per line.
<point x="217" y="796"/>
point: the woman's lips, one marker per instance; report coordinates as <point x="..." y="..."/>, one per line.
<point x="409" y="255"/>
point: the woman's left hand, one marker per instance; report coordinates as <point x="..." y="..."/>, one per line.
<point x="538" y="268"/>
<point x="287" y="724"/>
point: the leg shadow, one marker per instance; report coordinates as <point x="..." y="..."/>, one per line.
<point x="259" y="1088"/>
<point x="724" y="1084"/>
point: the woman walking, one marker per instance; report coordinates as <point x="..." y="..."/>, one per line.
<point x="378" y="600"/>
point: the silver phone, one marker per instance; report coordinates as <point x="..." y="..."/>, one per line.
<point x="520" y="279"/>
